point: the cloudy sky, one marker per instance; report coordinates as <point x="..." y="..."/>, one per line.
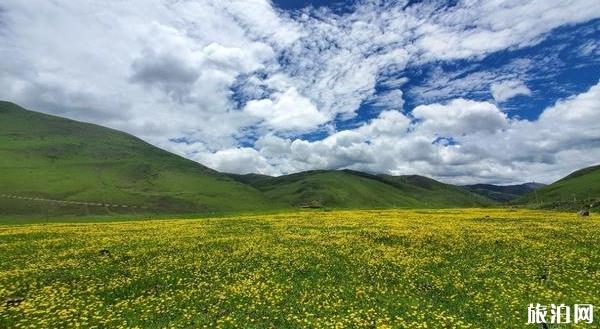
<point x="462" y="91"/>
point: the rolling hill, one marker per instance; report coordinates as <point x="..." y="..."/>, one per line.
<point x="577" y="190"/>
<point x="353" y="189"/>
<point x="503" y="193"/>
<point x="55" y="166"/>
<point x="47" y="157"/>
<point x="433" y="192"/>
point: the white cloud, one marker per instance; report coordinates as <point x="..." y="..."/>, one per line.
<point x="388" y="100"/>
<point x="471" y="81"/>
<point x="388" y="123"/>
<point x="288" y="111"/>
<point x="237" y="59"/>
<point x="157" y="70"/>
<point x="486" y="146"/>
<point x="500" y="24"/>
<point x="460" y="117"/>
<point x="168" y="70"/>
<point x="506" y="90"/>
<point x="238" y="160"/>
<point x="590" y="48"/>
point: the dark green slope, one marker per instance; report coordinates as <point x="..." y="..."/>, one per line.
<point x="435" y="193"/>
<point x="580" y="188"/>
<point x="352" y="189"/>
<point x="54" y="158"/>
<point x="503" y="193"/>
<point x="335" y="189"/>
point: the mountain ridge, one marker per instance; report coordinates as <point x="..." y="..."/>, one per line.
<point x="503" y="193"/>
<point x="98" y="170"/>
<point x="314" y="188"/>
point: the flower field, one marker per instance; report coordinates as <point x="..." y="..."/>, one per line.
<point x="462" y="268"/>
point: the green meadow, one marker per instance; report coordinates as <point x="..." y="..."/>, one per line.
<point x="452" y="268"/>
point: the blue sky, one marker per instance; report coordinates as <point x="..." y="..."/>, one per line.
<point x="462" y="91"/>
<point x="339" y="6"/>
<point x="565" y="70"/>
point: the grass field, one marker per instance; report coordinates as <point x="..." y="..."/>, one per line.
<point x="475" y="268"/>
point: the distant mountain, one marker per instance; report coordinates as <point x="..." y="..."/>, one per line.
<point x="52" y="158"/>
<point x="577" y="190"/>
<point x="503" y="193"/>
<point x="353" y="189"/>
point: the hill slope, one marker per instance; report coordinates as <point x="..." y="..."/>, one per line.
<point x="352" y="189"/>
<point x="97" y="170"/>
<point x="503" y="193"/>
<point x="436" y="193"/>
<point x="54" y="158"/>
<point x="580" y="188"/>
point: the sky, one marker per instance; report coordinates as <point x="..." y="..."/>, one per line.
<point x="465" y="92"/>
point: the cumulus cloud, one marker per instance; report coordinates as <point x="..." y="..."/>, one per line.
<point x="506" y="90"/>
<point x="479" y="143"/>
<point x="169" y="73"/>
<point x="210" y="73"/>
<point x="288" y="111"/>
<point x="460" y="117"/>
<point x="238" y="160"/>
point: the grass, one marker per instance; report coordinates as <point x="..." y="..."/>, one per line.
<point x="44" y="156"/>
<point x="49" y="157"/>
<point x="578" y="190"/>
<point x="54" y="158"/>
<point x="457" y="268"/>
<point x="347" y="189"/>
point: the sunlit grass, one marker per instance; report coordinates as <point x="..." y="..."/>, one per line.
<point x="469" y="268"/>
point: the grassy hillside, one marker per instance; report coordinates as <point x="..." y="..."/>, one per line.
<point x="503" y="193"/>
<point x="352" y="189"/>
<point x="434" y="193"/>
<point x="54" y="166"/>
<point x="579" y="189"/>
<point x="49" y="157"/>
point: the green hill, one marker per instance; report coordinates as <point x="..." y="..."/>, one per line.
<point x="54" y="166"/>
<point x="353" y="189"/>
<point x="43" y="156"/>
<point x="434" y="193"/>
<point x="503" y="193"/>
<point x="577" y="190"/>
